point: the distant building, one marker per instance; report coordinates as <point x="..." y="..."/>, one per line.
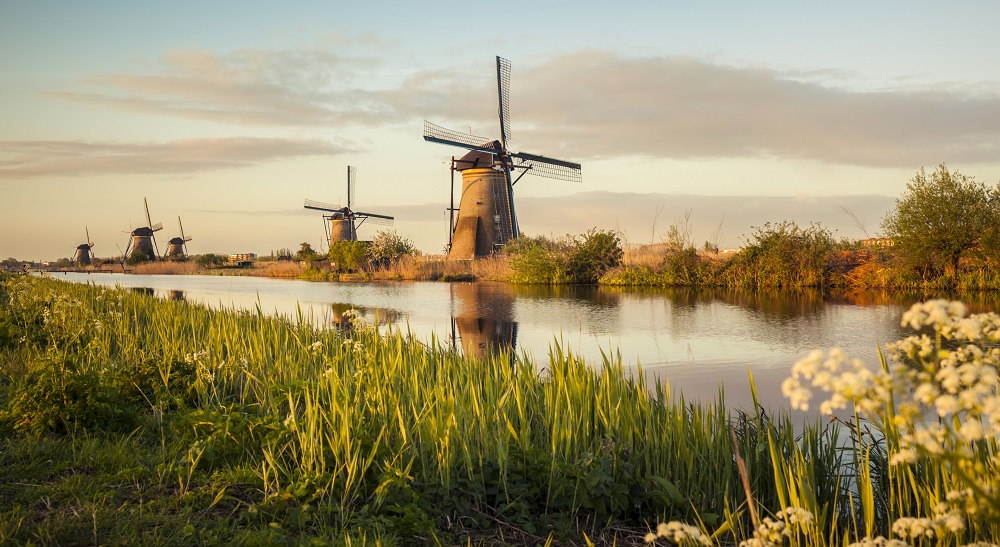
<point x="242" y="257"/>
<point x="877" y="242"/>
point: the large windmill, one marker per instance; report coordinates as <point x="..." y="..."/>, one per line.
<point x="143" y="240"/>
<point x="84" y="254"/>
<point x="486" y="218"/>
<point x="342" y="222"/>
<point x="177" y="246"/>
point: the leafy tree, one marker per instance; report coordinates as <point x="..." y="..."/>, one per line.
<point x="388" y="246"/>
<point x="306" y="252"/>
<point x="941" y="218"/>
<point x="11" y="262"/>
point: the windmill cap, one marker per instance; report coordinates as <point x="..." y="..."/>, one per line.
<point x="143" y="231"/>
<point x="476" y="159"/>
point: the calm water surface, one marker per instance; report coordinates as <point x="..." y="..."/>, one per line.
<point x="698" y="340"/>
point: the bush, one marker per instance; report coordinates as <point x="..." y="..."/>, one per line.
<point x="592" y="256"/>
<point x="782" y="256"/>
<point x="538" y="260"/>
<point x="348" y="256"/>
<point x="387" y="247"/>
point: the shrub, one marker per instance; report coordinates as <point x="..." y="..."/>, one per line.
<point x="592" y="256"/>
<point x="781" y="256"/>
<point x="386" y="247"/>
<point x="348" y="256"/>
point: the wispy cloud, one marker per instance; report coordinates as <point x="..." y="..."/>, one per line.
<point x="25" y="159"/>
<point x="582" y="106"/>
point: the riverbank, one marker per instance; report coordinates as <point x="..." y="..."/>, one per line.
<point x="128" y="419"/>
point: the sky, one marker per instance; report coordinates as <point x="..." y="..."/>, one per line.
<point x="727" y="114"/>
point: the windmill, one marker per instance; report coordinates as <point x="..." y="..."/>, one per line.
<point x="83" y="254"/>
<point x="342" y="222"/>
<point x="486" y="219"/>
<point x="178" y="245"/>
<point x="143" y="240"/>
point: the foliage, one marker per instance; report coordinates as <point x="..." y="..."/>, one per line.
<point x="941" y="218"/>
<point x="592" y="255"/>
<point x="137" y="257"/>
<point x="388" y="246"/>
<point x="209" y="260"/>
<point x="568" y="260"/>
<point x="306" y="252"/>
<point x="538" y="260"/>
<point x="348" y="256"/>
<point x="781" y="255"/>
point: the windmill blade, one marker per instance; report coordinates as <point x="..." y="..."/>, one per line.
<point x="373" y="215"/>
<point x="436" y="133"/>
<point x="503" y="94"/>
<point x="321" y="206"/>
<point x="375" y="220"/>
<point x="88" y="236"/>
<point x="181" y="224"/>
<point x="149" y="221"/>
<point x="156" y="227"/>
<point x="352" y="184"/>
<point x="548" y="167"/>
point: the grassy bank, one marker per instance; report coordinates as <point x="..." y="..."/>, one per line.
<point x="127" y="419"/>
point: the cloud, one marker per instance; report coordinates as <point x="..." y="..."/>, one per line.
<point x="246" y="87"/>
<point x="581" y="106"/>
<point x="602" y="105"/>
<point x="25" y="159"/>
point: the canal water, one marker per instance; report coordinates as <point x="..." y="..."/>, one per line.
<point x="700" y="341"/>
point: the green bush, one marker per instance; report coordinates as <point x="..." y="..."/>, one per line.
<point x="387" y="247"/>
<point x="537" y="260"/>
<point x="348" y="256"/>
<point x="592" y="255"/>
<point x="781" y="256"/>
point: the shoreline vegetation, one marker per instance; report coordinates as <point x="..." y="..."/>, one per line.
<point x="126" y="419"/>
<point x="943" y="235"/>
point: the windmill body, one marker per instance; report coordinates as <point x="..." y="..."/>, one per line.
<point x="486" y="217"/>
<point x="177" y="246"/>
<point x="84" y="253"/>
<point x="342" y="222"/>
<point x="143" y="239"/>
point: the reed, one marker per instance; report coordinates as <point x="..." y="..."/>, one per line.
<point x="257" y="428"/>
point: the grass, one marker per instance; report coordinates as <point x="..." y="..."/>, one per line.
<point x="127" y="419"/>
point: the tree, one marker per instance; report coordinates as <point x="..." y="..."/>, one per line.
<point x="388" y="246"/>
<point x="941" y="218"/>
<point x="306" y="252"/>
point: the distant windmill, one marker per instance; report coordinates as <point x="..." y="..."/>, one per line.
<point x="143" y="240"/>
<point x="177" y="246"/>
<point x="83" y="254"/>
<point x="486" y="218"/>
<point x="342" y="222"/>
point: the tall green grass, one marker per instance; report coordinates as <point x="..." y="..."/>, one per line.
<point x="293" y="427"/>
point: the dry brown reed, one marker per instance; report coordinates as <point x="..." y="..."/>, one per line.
<point x="283" y="268"/>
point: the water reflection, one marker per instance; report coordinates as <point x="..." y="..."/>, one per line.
<point x="175" y="294"/>
<point x="483" y="314"/>
<point x="143" y="290"/>
<point x="697" y="339"/>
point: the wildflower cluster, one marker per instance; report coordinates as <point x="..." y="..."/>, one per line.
<point x="786" y="524"/>
<point x="939" y="390"/>
<point x="679" y="533"/>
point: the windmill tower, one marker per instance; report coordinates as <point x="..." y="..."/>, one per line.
<point x="342" y="222"/>
<point x="83" y="254"/>
<point x="486" y="218"/>
<point x="143" y="240"/>
<point x="177" y="246"/>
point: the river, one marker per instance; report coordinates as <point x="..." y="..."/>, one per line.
<point x="699" y="340"/>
